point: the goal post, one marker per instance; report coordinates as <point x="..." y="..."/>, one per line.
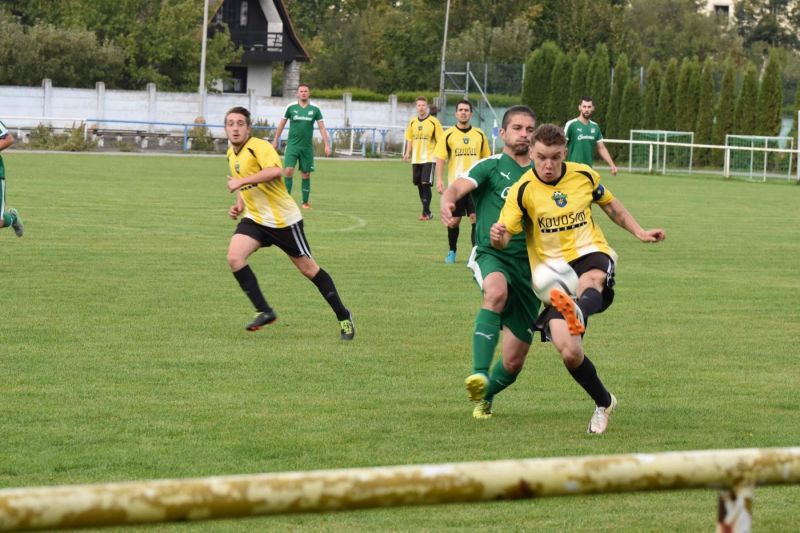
<point x="661" y="151"/>
<point x="758" y="157"/>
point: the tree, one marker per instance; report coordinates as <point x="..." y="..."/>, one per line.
<point x="652" y="82"/>
<point x="686" y="98"/>
<point x="559" y="109"/>
<point x="600" y="79"/>
<point x="630" y="112"/>
<point x="768" y="21"/>
<point x="538" y="72"/>
<point x="622" y="73"/>
<point x="705" y="112"/>
<point x="795" y="111"/>
<point x="723" y="124"/>
<point x="666" y="97"/>
<point x="770" y="97"/>
<point x="745" y="120"/>
<point x="579" y="81"/>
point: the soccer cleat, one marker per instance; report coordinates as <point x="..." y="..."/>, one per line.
<point x="429" y="216"/>
<point x="451" y="257"/>
<point x="483" y="410"/>
<point x="306" y="205"/>
<point x="347" y="328"/>
<point x="476" y="385"/>
<point x="599" y="421"/>
<point x="260" y="320"/>
<point x="423" y="217"/>
<point x="19" y="227"/>
<point x="565" y="305"/>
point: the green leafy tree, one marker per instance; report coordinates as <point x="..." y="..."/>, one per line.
<point x="600" y="79"/>
<point x="630" y="112"/>
<point x="687" y="101"/>
<point x="724" y="118"/>
<point x="666" y="97"/>
<point x="795" y="110"/>
<point x="579" y="81"/>
<point x="538" y="72"/>
<point x="705" y="112"/>
<point x="745" y="120"/>
<point x="622" y="73"/>
<point x="770" y="97"/>
<point x="652" y="83"/>
<point x="559" y="93"/>
<point x="768" y="21"/>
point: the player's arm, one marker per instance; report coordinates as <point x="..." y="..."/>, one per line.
<point x="6" y="141"/>
<point x="326" y="142"/>
<point x="457" y="190"/>
<point x="262" y="176"/>
<point x="278" y="132"/>
<point x="237" y="208"/>
<point x="603" y="152"/>
<point x="409" y="142"/>
<point x="622" y="218"/>
<point x="439" y="175"/>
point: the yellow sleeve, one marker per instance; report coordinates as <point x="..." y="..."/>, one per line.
<point x="410" y="131"/>
<point x="600" y="195"/>
<point x="441" y="149"/>
<point x="267" y="156"/>
<point x="486" y="151"/>
<point x="438" y="132"/>
<point x="511" y="215"/>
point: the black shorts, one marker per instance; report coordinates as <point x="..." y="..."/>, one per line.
<point x="422" y="174"/>
<point x="581" y="265"/>
<point x="291" y="239"/>
<point x="464" y="207"/>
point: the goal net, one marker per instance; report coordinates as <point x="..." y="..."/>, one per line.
<point x="661" y="151"/>
<point x="757" y="157"/>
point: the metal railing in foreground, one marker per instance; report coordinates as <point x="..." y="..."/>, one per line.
<point x="734" y="472"/>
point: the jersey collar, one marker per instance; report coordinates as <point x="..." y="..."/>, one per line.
<point x="552" y="183"/>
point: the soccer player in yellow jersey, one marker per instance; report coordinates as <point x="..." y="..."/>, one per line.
<point x="555" y="202"/>
<point x="423" y="133"/>
<point x="462" y="147"/>
<point x="269" y="217"/>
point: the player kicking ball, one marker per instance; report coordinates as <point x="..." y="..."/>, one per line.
<point x="555" y="199"/>
<point x="269" y="217"/>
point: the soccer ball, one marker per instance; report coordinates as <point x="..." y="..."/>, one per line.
<point x="554" y="274"/>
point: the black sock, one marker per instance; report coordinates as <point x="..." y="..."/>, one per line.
<point x="452" y="238"/>
<point x="586" y="376"/>
<point x="590" y="302"/>
<point x="249" y="284"/>
<point x="426" y="199"/>
<point x="327" y="289"/>
<point x="421" y="197"/>
<point x="472" y="235"/>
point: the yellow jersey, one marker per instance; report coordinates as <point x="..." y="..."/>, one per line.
<point x="269" y="203"/>
<point x="462" y="149"/>
<point x="558" y="216"/>
<point x="424" y="135"/>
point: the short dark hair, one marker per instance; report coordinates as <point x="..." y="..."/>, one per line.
<point x="304" y="85"/>
<point x="465" y="102"/>
<point x="517" y="110"/>
<point x="421" y="98"/>
<point x="585" y="98"/>
<point x="550" y="135"/>
<point x="239" y="110"/>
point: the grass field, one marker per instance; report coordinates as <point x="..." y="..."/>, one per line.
<point x="124" y="355"/>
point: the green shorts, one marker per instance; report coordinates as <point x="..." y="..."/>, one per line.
<point x="302" y="154"/>
<point x="522" y="306"/>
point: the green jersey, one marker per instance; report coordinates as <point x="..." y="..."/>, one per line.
<point x="581" y="140"/>
<point x="493" y="178"/>
<point x="301" y="123"/>
<point x="3" y="133"/>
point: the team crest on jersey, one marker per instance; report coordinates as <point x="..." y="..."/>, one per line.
<point x="236" y="167"/>
<point x="310" y="113"/>
<point x="466" y="140"/>
<point x="592" y="130"/>
<point x="559" y="198"/>
<point x="419" y="128"/>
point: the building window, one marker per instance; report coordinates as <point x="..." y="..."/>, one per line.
<point x="217" y="17"/>
<point x="243" y="14"/>
<point x="722" y="12"/>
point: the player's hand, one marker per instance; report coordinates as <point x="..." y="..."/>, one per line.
<point x="233" y="183"/>
<point x="446" y="213"/>
<point x="613" y="170"/>
<point x="653" y="235"/>
<point x="406" y="157"/>
<point x="439" y="187"/>
<point x="497" y="232"/>
<point x="235" y="211"/>
<point x="327" y="151"/>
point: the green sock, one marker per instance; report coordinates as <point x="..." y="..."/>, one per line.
<point x="484" y="340"/>
<point x="499" y="380"/>
<point x="306" y="188"/>
<point x="288" y="181"/>
<point x="8" y="219"/>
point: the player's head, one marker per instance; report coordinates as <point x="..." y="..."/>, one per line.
<point x="303" y="92"/>
<point x="519" y="121"/>
<point x="548" y="150"/>
<point x="237" y="125"/>
<point x="422" y="106"/>
<point x="463" y="112"/>
<point x="586" y="106"/>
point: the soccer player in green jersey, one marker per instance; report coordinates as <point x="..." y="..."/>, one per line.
<point x="551" y="206"/>
<point x="299" y="149"/>
<point x="504" y="276"/>
<point x="9" y="217"/>
<point x="269" y="217"/>
<point x="583" y="134"/>
<point x="463" y="146"/>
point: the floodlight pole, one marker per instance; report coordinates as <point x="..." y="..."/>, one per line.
<point x="201" y="89"/>
<point x="444" y="50"/>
